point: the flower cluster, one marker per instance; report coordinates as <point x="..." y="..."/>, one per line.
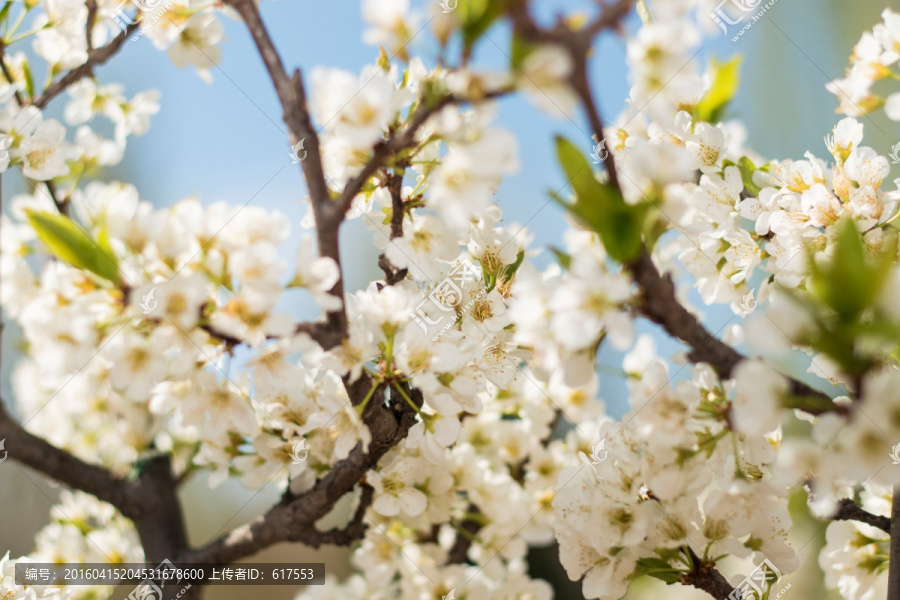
<point x="82" y="530"/>
<point x="673" y="476"/>
<point x="164" y="330"/>
<point x="873" y="58"/>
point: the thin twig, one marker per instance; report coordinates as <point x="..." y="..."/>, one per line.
<point x="95" y="59"/>
<point x="848" y="510"/>
<point x="89" y="24"/>
<point x="7" y="74"/>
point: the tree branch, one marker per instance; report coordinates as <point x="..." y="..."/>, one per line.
<point x="160" y="522"/>
<point x="148" y="500"/>
<point x="294" y="519"/>
<point x="894" y="561"/>
<point x="848" y="510"/>
<point x="459" y="553"/>
<point x="706" y="577"/>
<point x="354" y="531"/>
<point x="661" y="306"/>
<point x="392" y="274"/>
<point x="660" y="303"/>
<point x="62" y="466"/>
<point x="401" y="141"/>
<point x="292" y="96"/>
<point x="95" y="59"/>
<point x="89" y="24"/>
<point x="8" y="75"/>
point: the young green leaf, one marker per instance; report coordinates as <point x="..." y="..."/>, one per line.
<point x="69" y="242"/>
<point x="658" y="568"/>
<point x="519" y="50"/>
<point x="564" y="259"/>
<point x="747" y="169"/>
<point x="849" y="282"/>
<point x="476" y="17"/>
<point x="599" y="206"/>
<point x="725" y="78"/>
<point x="29" y="79"/>
<point x="4" y="12"/>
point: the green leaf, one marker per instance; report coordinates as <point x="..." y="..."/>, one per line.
<point x="849" y="282"/>
<point x="4" y="12"/>
<point x="658" y="568"/>
<point x="653" y="563"/>
<point x="510" y="270"/>
<point x="747" y="169"/>
<point x="69" y="242"/>
<point x="811" y="404"/>
<point x="564" y="259"/>
<point x="599" y="206"/>
<point x="476" y="17"/>
<point x="29" y="80"/>
<point x="520" y="49"/>
<point x="725" y="78"/>
<point x="577" y="169"/>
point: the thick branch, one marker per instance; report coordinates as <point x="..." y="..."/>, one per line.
<point x="848" y="510"/>
<point x="292" y="96"/>
<point x="294" y="519"/>
<point x="159" y="522"/>
<point x="661" y="306"/>
<point x="894" y="562"/>
<point x="58" y="464"/>
<point x="354" y="531"/>
<point x="149" y="500"/>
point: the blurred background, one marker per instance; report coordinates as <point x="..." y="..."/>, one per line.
<point x="225" y="141"/>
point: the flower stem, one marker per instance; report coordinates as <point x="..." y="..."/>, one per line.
<point x="409" y="401"/>
<point x="362" y="405"/>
